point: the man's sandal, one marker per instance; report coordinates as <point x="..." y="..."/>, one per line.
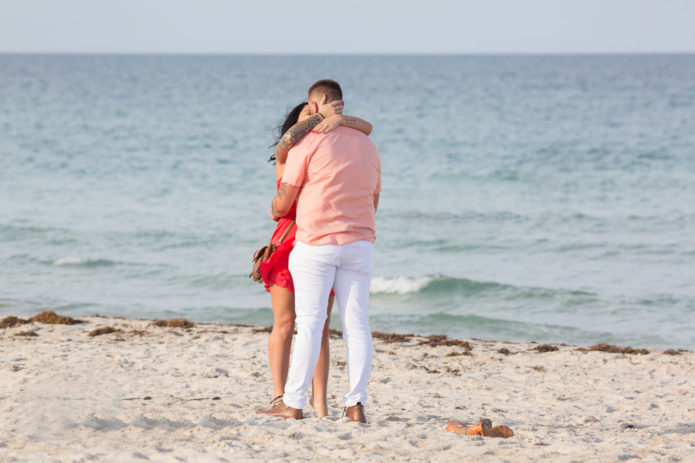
<point x="482" y="428"/>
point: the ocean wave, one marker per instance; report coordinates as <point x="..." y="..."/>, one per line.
<point x="428" y="284"/>
<point x="80" y="262"/>
<point x="398" y="285"/>
<point x="442" y="284"/>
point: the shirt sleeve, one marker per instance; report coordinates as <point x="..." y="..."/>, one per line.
<point x="295" y="167"/>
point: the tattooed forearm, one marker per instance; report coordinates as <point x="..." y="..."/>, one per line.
<point x="293" y="135"/>
<point x="356" y="123"/>
<point x="279" y="198"/>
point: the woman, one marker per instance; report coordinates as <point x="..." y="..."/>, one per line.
<point x="275" y="272"/>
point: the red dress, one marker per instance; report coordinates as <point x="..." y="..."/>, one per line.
<point x="276" y="270"/>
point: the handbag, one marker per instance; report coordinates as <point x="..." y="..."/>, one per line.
<point x="264" y="252"/>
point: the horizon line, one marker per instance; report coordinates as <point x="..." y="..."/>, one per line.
<point x="304" y="54"/>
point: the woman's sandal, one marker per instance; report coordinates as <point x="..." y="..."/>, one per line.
<point x="453" y="426"/>
<point x="479" y="428"/>
<point x="482" y="428"/>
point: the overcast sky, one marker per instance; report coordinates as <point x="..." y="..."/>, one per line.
<point x="357" y="26"/>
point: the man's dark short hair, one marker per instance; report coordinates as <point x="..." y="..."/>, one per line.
<point x="330" y="87"/>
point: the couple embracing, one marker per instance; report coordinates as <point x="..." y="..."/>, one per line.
<point x="329" y="180"/>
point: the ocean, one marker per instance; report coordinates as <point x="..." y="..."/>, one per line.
<point x="534" y="198"/>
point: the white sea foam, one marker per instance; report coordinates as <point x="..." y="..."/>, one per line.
<point x="70" y="261"/>
<point x="399" y="285"/>
<point x="80" y="262"/>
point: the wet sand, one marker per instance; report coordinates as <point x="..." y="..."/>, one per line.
<point x="111" y="389"/>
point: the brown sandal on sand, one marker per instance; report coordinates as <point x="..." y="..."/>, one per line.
<point x="483" y="428"/>
<point x="482" y="425"/>
<point x="453" y="426"/>
<point x="499" y="431"/>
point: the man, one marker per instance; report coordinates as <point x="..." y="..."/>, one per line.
<point x="336" y="179"/>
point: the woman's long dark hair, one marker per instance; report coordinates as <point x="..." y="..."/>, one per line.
<point x="291" y="119"/>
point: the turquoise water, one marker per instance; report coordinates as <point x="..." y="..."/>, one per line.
<point x="547" y="198"/>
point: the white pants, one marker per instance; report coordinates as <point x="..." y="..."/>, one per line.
<point x="315" y="270"/>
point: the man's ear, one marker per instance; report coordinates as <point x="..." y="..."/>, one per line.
<point x="314" y="107"/>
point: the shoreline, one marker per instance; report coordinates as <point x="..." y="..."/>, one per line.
<point x="50" y="317"/>
<point x="123" y="389"/>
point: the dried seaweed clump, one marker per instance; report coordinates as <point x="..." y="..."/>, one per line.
<point x="174" y="323"/>
<point x="458" y="353"/>
<point x="28" y="334"/>
<point x="443" y="340"/>
<point x="546" y="348"/>
<point x="391" y="337"/>
<point x="51" y="318"/>
<point x="610" y="348"/>
<point x="12" y="321"/>
<point x="674" y="351"/>
<point x="263" y="329"/>
<point x="619" y="350"/>
<point x="103" y="330"/>
<point x="138" y="333"/>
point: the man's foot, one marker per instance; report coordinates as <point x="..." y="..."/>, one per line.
<point x="356" y="413"/>
<point x="281" y="410"/>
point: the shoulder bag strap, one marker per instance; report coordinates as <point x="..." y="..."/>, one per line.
<point x="286" y="232"/>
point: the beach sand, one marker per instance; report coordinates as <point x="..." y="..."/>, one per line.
<point x="135" y="391"/>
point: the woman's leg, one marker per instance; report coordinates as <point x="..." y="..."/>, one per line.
<point x="319" y="384"/>
<point x="280" y="339"/>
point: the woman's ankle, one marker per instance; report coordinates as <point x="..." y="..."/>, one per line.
<point x="321" y="406"/>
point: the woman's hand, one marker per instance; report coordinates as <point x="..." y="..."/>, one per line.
<point x="353" y="122"/>
<point x="328" y="124"/>
<point x="330" y="109"/>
